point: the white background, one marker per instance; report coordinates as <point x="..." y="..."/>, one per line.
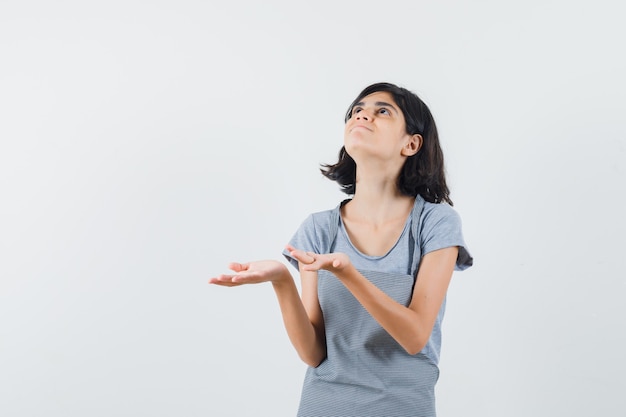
<point x="144" y="145"/>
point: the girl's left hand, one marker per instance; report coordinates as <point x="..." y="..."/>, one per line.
<point x="311" y="261"/>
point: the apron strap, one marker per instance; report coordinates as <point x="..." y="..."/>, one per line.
<point x="333" y="227"/>
<point x="415" y="252"/>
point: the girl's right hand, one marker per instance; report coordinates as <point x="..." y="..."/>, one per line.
<point x="252" y="273"/>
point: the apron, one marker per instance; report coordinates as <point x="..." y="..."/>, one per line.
<point x="366" y="372"/>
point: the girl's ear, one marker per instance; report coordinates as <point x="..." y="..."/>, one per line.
<point x="413" y="145"/>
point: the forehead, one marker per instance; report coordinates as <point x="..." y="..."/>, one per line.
<point x="379" y="96"/>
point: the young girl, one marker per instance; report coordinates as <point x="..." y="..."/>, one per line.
<point x="375" y="269"/>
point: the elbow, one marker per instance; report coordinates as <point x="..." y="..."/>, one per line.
<point x="312" y="357"/>
<point x="313" y="360"/>
<point x="415" y="346"/>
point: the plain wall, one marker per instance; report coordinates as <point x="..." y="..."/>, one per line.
<point x="144" y="145"/>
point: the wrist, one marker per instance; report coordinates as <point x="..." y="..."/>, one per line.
<point x="284" y="279"/>
<point x="346" y="273"/>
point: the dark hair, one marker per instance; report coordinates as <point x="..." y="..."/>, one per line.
<point x="423" y="173"/>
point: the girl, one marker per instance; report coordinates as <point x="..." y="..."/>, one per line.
<point x="375" y="269"/>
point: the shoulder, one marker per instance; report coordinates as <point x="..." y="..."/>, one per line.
<point x="439" y="214"/>
<point x="319" y="219"/>
<point x="325" y="219"/>
<point x="440" y="227"/>
<point x="318" y="231"/>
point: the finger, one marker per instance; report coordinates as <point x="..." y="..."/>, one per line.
<point x="302" y="256"/>
<point x="237" y="267"/>
<point x="226" y="284"/>
<point x="236" y="279"/>
<point x="246" y="277"/>
<point x="221" y="278"/>
<point x="312" y="255"/>
<point x="309" y="257"/>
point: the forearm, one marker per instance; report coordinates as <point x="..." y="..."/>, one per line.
<point x="308" y="344"/>
<point x="402" y="323"/>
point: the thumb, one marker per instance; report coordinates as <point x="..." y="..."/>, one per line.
<point x="237" y="267"/>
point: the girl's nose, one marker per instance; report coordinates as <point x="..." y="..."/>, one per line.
<point x="362" y="115"/>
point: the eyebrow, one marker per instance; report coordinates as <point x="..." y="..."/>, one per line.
<point x="378" y="104"/>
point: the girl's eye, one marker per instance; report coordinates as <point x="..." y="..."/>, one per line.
<point x="383" y="111"/>
<point x="356" y="110"/>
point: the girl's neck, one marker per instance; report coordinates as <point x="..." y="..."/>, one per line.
<point x="378" y="202"/>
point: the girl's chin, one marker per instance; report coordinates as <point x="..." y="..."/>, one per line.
<point x="355" y="149"/>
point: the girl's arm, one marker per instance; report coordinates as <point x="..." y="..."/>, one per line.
<point x="302" y="317"/>
<point x="410" y="326"/>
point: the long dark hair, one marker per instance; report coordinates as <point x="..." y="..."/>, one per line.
<point x="423" y="173"/>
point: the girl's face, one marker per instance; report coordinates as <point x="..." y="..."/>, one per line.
<point x="376" y="128"/>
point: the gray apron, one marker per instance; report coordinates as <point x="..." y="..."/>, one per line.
<point x="366" y="372"/>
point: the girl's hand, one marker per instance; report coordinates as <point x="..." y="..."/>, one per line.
<point x="310" y="261"/>
<point x="252" y="273"/>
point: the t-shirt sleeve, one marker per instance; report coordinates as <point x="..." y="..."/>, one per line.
<point x="442" y="228"/>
